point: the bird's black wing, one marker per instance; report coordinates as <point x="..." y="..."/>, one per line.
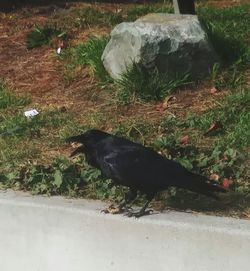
<point x="134" y="165"/>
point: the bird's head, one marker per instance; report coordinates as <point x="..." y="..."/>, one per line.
<point x="88" y="139"/>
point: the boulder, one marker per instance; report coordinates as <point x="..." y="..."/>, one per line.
<point x="173" y="43"/>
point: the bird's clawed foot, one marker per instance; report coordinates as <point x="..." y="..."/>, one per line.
<point x="139" y="214"/>
<point x="115" y="210"/>
<point x="112" y="210"/>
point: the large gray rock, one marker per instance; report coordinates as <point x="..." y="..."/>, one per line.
<point x="173" y="43"/>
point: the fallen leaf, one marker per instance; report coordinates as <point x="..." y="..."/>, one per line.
<point x="184" y="140"/>
<point x="159" y="108"/>
<point x="214" y="177"/>
<point x="214" y="126"/>
<point x="213" y="90"/>
<point x="227" y="183"/>
<point x="166" y="101"/>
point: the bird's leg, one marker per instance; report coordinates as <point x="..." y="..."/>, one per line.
<point x="143" y="209"/>
<point x="130" y="196"/>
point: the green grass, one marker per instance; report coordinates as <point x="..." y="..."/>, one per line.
<point x="91" y="16"/>
<point x="8" y="99"/>
<point x="233" y="113"/>
<point x="232" y="77"/>
<point x="41" y="35"/>
<point x="82" y="18"/>
<point x="21" y="137"/>
<point x="228" y="30"/>
<point x="89" y="54"/>
<point x="19" y="125"/>
<point x="15" y="152"/>
<point x="139" y="130"/>
<point x="147" y="85"/>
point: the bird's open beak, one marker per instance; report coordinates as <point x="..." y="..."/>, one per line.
<point x="77" y="151"/>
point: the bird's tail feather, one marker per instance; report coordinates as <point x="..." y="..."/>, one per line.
<point x="202" y="185"/>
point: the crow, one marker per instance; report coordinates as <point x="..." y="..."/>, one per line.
<point x="137" y="167"/>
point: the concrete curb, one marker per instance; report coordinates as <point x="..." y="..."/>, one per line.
<point x="40" y="233"/>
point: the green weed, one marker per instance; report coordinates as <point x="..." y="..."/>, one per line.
<point x="98" y="187"/>
<point x="43" y="35"/>
<point x="62" y="177"/>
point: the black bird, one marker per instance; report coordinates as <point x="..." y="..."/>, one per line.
<point x="138" y="167"/>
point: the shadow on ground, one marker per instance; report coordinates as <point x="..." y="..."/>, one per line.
<point x="230" y="204"/>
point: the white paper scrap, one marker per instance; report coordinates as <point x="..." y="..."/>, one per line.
<point x="59" y="50"/>
<point x="31" y="113"/>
